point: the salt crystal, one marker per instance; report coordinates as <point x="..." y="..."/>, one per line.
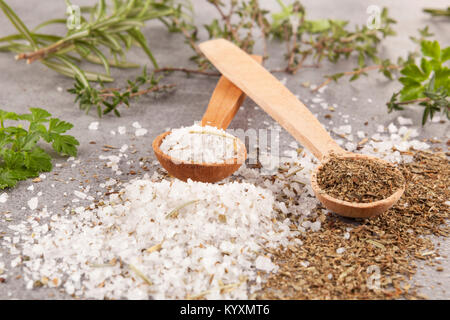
<point x="93" y="125"/>
<point x="315" y="226"/>
<point x="345" y="129"/>
<point x="392" y="128"/>
<point x="80" y="194"/>
<point x="33" y="203"/>
<point x="3" y="197"/>
<point x="122" y="130"/>
<point x="136" y="125"/>
<point x="264" y="264"/>
<point x="340" y="250"/>
<point x="140" y="132"/>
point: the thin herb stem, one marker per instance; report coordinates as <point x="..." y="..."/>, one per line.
<point x="140" y="274"/>
<point x="174" y="212"/>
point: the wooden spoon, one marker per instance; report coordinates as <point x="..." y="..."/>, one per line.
<point x="225" y="102"/>
<point x="272" y="96"/>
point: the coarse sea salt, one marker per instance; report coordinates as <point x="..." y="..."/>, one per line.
<point x="200" y="144"/>
<point x="186" y="238"/>
<point x="3" y="197"/>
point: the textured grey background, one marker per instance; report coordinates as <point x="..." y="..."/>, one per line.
<point x="23" y="86"/>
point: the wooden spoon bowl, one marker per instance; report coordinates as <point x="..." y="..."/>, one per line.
<point x="204" y="172"/>
<point x="283" y="106"/>
<point x="353" y="209"/>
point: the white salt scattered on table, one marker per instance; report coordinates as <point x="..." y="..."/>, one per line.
<point x="200" y="144"/>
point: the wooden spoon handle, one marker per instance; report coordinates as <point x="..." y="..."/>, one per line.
<point x="271" y="95"/>
<point x="225" y="102"/>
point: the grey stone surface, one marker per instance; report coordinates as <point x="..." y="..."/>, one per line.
<point x="23" y="86"/>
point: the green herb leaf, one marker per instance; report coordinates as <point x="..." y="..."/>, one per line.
<point x="20" y="157"/>
<point x="431" y="49"/>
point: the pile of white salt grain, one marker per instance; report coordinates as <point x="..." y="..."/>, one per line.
<point x="162" y="240"/>
<point x="200" y="144"/>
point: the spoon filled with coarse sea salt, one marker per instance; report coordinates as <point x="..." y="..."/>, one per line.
<point x="349" y="184"/>
<point x="205" y="152"/>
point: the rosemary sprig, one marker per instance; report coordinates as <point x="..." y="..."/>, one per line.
<point x="438" y="12"/>
<point x="115" y="28"/>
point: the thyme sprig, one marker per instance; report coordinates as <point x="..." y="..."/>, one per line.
<point x="304" y="39"/>
<point x="112" y="27"/>
<point x="106" y="99"/>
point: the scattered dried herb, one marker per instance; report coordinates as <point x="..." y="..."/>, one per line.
<point x="389" y="243"/>
<point x="358" y="180"/>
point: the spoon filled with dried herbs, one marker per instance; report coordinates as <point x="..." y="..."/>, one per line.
<point x="206" y="152"/>
<point x="349" y="184"/>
